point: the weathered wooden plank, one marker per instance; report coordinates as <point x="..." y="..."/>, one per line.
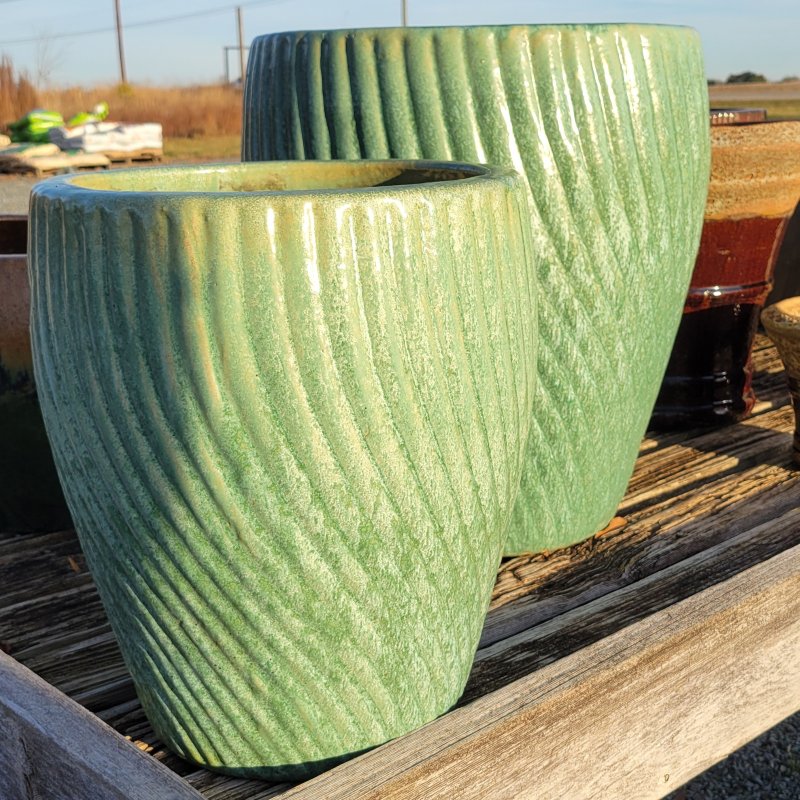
<point x="221" y="787"/>
<point x="50" y="747"/>
<point x="668" y="534"/>
<point x="744" y="462"/>
<point x="691" y="491"/>
<point x="760" y="440"/>
<point x="633" y="715"/>
<point x="512" y="656"/>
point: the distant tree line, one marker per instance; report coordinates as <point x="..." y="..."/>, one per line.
<point x="750" y="77"/>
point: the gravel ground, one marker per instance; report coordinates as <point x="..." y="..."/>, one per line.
<point x="768" y="768"/>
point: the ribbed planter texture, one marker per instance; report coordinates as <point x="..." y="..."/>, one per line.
<point x="289" y="406"/>
<point x="30" y="495"/>
<point x="755" y="186"/>
<point x="610" y="125"/>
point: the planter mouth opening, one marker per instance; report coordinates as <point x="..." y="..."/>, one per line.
<point x="278" y="177"/>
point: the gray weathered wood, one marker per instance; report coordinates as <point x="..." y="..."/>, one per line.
<point x="514" y="656"/>
<point x="53" y="749"/>
<point x="689" y="525"/>
<point x="633" y="715"/>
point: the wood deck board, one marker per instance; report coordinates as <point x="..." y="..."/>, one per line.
<point x="706" y="504"/>
<point x="51" y="747"/>
<point x="592" y="723"/>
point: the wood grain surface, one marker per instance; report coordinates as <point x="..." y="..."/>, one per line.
<point x="50" y="747"/>
<point x="633" y="715"/>
<point x="651" y="650"/>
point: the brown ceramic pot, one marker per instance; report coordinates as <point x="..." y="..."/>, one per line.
<point x="782" y="322"/>
<point x="30" y="494"/>
<point x="755" y="186"/>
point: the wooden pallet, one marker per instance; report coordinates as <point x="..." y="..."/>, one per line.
<point x="619" y="667"/>
<point x="42" y="165"/>
<point x="146" y="155"/>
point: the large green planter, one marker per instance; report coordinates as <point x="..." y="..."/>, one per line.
<point x="288" y="404"/>
<point x="610" y="125"/>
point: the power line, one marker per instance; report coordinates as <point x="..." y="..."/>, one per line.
<point x="141" y="24"/>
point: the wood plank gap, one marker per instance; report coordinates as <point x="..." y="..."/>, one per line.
<point x="636" y="571"/>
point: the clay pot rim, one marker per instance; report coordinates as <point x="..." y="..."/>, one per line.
<point x="363" y="177"/>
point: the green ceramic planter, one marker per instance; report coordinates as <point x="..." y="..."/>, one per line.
<point x="288" y="403"/>
<point x="610" y="125"/>
<point x="30" y="495"/>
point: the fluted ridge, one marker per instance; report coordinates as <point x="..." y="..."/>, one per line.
<point x="610" y="125"/>
<point x="290" y="432"/>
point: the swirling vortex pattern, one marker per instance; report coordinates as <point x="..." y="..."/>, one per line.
<point x="290" y="428"/>
<point x="610" y="125"/>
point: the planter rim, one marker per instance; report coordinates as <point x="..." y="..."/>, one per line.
<point x="594" y="27"/>
<point x="127" y="182"/>
<point x="783" y="317"/>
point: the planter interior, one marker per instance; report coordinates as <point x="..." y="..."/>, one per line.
<point x="754" y="189"/>
<point x="290" y="414"/>
<point x="30" y="494"/>
<point x="609" y="124"/>
<point x="275" y="178"/>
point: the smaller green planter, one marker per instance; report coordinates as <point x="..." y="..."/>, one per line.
<point x="289" y="405"/>
<point x="30" y="495"/>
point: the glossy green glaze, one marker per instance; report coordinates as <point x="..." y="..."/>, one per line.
<point x="290" y="425"/>
<point x="610" y="125"/>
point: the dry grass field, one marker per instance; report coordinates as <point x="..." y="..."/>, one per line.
<point x="199" y="122"/>
<point x="204" y="122"/>
<point x="187" y="112"/>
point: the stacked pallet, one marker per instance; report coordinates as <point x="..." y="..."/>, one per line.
<point x="118" y="141"/>
<point x="92" y="145"/>
<point x="45" y="159"/>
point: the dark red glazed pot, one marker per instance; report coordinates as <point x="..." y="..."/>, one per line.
<point x="755" y="186"/>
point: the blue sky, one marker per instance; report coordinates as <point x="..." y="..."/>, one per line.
<point x="737" y="35"/>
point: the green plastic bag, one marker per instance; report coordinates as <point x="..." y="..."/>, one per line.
<point x="34" y="126"/>
<point x="97" y="114"/>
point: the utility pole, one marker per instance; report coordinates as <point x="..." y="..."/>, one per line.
<point x="405" y="13"/>
<point x="123" y="75"/>
<point x="241" y="42"/>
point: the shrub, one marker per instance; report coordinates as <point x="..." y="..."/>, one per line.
<point x="746" y="77"/>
